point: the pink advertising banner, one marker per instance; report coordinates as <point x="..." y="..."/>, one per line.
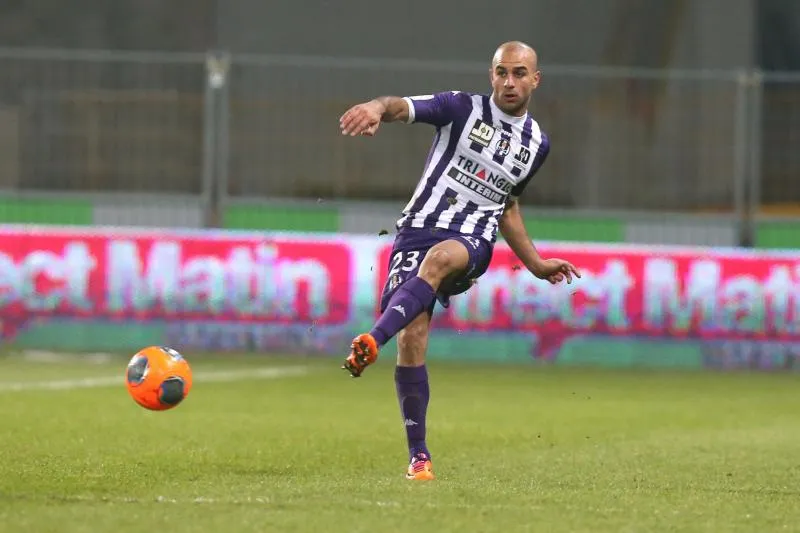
<point x="325" y="288"/>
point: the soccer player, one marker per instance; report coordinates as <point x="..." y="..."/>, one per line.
<point x="485" y="151"/>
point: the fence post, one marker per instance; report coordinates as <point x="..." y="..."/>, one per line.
<point x="741" y="137"/>
<point x="756" y="129"/>
<point x="214" y="135"/>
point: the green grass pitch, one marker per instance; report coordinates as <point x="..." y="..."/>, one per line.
<point x="306" y="448"/>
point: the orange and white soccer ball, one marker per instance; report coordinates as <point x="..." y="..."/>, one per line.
<point x="158" y="378"/>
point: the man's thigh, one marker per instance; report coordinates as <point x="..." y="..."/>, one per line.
<point x="411" y="248"/>
<point x="480" y="255"/>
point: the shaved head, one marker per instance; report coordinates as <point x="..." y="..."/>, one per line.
<point x="514" y="75"/>
<point x="519" y="50"/>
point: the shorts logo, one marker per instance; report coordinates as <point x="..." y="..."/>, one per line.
<point x="473" y="241"/>
<point x="481" y="133"/>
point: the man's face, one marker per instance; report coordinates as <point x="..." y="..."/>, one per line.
<point x="514" y="76"/>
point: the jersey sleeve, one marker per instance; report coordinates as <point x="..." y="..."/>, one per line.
<point x="437" y="109"/>
<point x="538" y="161"/>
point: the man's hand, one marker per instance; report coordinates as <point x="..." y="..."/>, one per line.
<point x="362" y="119"/>
<point x="513" y="229"/>
<point x="555" y="270"/>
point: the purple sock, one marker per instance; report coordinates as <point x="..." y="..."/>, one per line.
<point x="412" y="298"/>
<point x="413" y="394"/>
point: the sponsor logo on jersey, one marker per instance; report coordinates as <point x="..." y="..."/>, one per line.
<point x="482" y="133"/>
<point x="475" y="170"/>
<point x="478" y="186"/>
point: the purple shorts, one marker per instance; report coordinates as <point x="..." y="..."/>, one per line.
<point x="410" y="247"/>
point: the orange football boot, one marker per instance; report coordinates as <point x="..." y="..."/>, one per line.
<point x="363" y="352"/>
<point x="420" y="468"/>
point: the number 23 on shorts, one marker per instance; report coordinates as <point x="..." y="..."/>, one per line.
<point x="404" y="261"/>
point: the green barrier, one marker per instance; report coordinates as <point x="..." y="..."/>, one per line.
<point x="781" y="235"/>
<point x="45" y="211"/>
<point x="276" y="218"/>
<point x="575" y="229"/>
<point x="270" y="217"/>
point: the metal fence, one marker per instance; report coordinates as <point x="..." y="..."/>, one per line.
<point x="227" y="129"/>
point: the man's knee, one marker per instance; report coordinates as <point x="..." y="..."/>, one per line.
<point x="443" y="261"/>
<point x="439" y="259"/>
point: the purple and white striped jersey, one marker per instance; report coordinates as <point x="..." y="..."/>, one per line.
<point x="480" y="157"/>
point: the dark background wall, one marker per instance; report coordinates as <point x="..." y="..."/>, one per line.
<point x="712" y="33"/>
<point x="709" y="34"/>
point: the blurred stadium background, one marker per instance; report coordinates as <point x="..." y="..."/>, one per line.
<point x="668" y="127"/>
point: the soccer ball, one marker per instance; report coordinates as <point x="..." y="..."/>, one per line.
<point x="158" y="378"/>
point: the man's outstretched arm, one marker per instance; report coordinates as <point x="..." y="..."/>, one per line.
<point x="364" y="118"/>
<point x="394" y="108"/>
<point x="512" y="227"/>
<point x="437" y="110"/>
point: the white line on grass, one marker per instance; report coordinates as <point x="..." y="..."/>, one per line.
<point x="111" y="381"/>
<point x="44" y="356"/>
<point x="258" y="500"/>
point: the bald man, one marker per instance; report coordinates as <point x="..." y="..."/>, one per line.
<point x="485" y="151"/>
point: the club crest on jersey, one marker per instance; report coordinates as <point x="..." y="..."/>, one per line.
<point x="482" y="133"/>
<point x="503" y="145"/>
